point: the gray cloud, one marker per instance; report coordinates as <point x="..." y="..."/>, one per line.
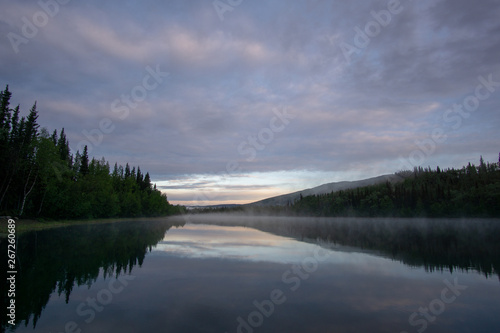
<point x="227" y="77"/>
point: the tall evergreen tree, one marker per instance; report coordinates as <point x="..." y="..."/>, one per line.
<point x="5" y="111"/>
<point x="54" y="137"/>
<point x="14" y="133"/>
<point x="5" y="114"/>
<point x="127" y="171"/>
<point x="139" y="178"/>
<point x="77" y="163"/>
<point x="6" y="160"/>
<point x="63" y="147"/>
<point x="29" y="167"/>
<point x="115" y="173"/>
<point x="84" y="167"/>
<point x="147" y="182"/>
<point x="482" y="165"/>
<point x="31" y="127"/>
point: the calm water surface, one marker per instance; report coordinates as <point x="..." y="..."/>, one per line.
<point x="244" y="274"/>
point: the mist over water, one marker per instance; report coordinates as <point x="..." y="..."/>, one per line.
<point x="243" y="273"/>
<point x="466" y="244"/>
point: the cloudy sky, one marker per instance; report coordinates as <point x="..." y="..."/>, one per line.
<point x="238" y="100"/>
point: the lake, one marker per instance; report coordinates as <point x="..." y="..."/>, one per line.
<point x="222" y="273"/>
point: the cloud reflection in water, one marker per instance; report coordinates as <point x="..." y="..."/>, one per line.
<point x="209" y="241"/>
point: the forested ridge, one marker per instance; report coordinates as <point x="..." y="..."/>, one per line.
<point x="472" y="191"/>
<point x="41" y="178"/>
<point x="469" y="191"/>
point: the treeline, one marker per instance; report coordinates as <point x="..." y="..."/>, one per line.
<point x="470" y="191"/>
<point x="41" y="178"/>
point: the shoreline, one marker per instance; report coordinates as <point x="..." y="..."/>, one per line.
<point x="27" y="225"/>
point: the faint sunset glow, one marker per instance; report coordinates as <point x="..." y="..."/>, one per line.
<point x="355" y="116"/>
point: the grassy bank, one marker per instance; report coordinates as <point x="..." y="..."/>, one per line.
<point x="26" y="225"/>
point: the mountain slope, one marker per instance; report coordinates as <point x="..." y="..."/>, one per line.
<point x="284" y="199"/>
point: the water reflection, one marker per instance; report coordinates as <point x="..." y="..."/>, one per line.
<point x="435" y="244"/>
<point x="238" y="243"/>
<point x="58" y="260"/>
<point x="217" y="273"/>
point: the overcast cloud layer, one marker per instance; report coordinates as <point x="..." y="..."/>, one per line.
<point x="261" y="97"/>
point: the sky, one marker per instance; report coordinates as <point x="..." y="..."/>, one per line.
<point x="234" y="101"/>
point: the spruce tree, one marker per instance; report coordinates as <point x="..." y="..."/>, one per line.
<point x="5" y="111"/>
<point x="84" y="167"/>
<point x="54" y="137"/>
<point x="14" y="133"/>
<point x="31" y="127"/>
<point x="147" y="182"/>
<point x="5" y="114"/>
<point x="127" y="171"/>
<point x="115" y="173"/>
<point x="63" y="146"/>
<point x="139" y="178"/>
<point x="77" y="162"/>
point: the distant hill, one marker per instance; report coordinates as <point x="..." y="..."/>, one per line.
<point x="284" y="199"/>
<point x="213" y="206"/>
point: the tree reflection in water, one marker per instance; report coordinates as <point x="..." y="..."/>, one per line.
<point x="59" y="259"/>
<point x="436" y="244"/>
